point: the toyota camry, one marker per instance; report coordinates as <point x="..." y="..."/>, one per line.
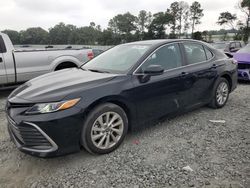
<point x="94" y="106"/>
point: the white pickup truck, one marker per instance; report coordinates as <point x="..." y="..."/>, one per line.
<point x="17" y="66"/>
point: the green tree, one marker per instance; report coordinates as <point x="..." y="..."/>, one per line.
<point x="88" y="35"/>
<point x="173" y="11"/>
<point x="197" y="35"/>
<point x="34" y="35"/>
<point x="245" y="7"/>
<point x="226" y="18"/>
<point x="108" y="37"/>
<point x="143" y="20"/>
<point x="123" y="24"/>
<point x="14" y="36"/>
<point x="186" y="23"/>
<point x="196" y="13"/>
<point x="156" y="29"/>
<point x="61" y="33"/>
<point x="183" y="12"/>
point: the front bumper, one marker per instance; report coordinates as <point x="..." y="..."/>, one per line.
<point x="244" y="74"/>
<point x="46" y="135"/>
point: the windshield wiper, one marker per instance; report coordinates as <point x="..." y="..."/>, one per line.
<point x="83" y="69"/>
<point x="100" y="71"/>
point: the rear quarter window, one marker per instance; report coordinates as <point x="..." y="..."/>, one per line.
<point x="209" y="54"/>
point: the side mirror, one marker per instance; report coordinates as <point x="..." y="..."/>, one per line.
<point x="154" y="70"/>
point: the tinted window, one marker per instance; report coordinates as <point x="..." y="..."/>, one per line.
<point x="195" y="53"/>
<point x="232" y="45"/>
<point x="237" y="45"/>
<point x="168" y="57"/>
<point x="2" y="45"/>
<point x="208" y="53"/>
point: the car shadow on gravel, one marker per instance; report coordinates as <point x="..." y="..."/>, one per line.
<point x="243" y="82"/>
<point x="5" y="93"/>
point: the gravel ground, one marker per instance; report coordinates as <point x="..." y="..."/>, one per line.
<point x="217" y="153"/>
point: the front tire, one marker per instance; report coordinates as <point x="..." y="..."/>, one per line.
<point x="104" y="129"/>
<point x="220" y="93"/>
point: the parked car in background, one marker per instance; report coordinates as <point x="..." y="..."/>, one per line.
<point x="243" y="59"/>
<point x="95" y="105"/>
<point x="17" y="66"/>
<point x="230" y="46"/>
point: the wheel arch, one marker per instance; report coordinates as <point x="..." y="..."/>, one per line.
<point x="119" y="101"/>
<point x="228" y="78"/>
<point x="65" y="60"/>
<point x="64" y="65"/>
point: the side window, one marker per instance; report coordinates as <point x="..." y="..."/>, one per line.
<point x="238" y="45"/>
<point x="168" y="57"/>
<point x="232" y="45"/>
<point x="208" y="53"/>
<point x="194" y="52"/>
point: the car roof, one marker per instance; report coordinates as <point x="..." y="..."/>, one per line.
<point x="161" y="41"/>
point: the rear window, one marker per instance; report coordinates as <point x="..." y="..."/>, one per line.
<point x="2" y="45"/>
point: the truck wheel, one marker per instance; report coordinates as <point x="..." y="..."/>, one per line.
<point x="220" y="93"/>
<point x="104" y="129"/>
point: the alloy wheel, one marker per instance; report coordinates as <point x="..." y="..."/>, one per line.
<point x="107" y="130"/>
<point x="222" y="93"/>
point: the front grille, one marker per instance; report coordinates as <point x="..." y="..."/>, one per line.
<point x="243" y="66"/>
<point x="19" y="105"/>
<point x="29" y="136"/>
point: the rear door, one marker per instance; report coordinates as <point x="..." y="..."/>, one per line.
<point x="3" y="78"/>
<point x="200" y="72"/>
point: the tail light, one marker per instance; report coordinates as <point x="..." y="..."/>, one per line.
<point x="90" y="55"/>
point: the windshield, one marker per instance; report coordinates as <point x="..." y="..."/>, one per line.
<point x="246" y="49"/>
<point x="118" y="59"/>
<point x="219" y="45"/>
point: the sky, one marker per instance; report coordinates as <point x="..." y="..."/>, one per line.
<point x="22" y="14"/>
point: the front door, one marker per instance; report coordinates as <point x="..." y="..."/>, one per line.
<point x="156" y="96"/>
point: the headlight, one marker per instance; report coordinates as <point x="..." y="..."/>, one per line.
<point x="52" y="107"/>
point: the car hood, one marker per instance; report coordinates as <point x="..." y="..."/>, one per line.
<point x="57" y="85"/>
<point x="242" y="57"/>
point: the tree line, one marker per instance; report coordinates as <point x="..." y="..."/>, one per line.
<point x="241" y="29"/>
<point x="177" y="21"/>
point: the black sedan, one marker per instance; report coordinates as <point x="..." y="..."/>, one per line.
<point x="123" y="88"/>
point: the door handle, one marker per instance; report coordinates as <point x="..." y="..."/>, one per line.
<point x="1" y="60"/>
<point x="183" y="74"/>
<point x="214" y="66"/>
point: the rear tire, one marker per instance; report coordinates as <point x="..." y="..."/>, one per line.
<point x="220" y="93"/>
<point x="104" y="129"/>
